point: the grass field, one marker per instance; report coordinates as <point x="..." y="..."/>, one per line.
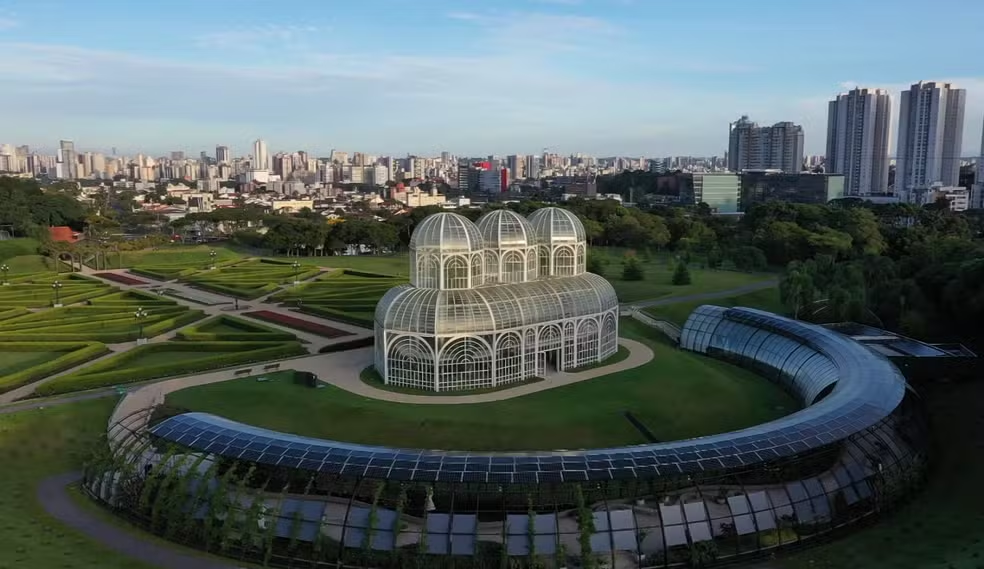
<point x="659" y="269"/>
<point x="766" y="299"/>
<point x="386" y="264"/>
<point x="12" y="362"/>
<point x="677" y="395"/>
<point x="185" y="256"/>
<point x="34" y="445"/>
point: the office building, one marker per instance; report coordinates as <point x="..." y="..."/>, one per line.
<point x="977" y="194"/>
<point x="760" y="186"/>
<point x="930" y="131"/>
<point x="751" y="147"/>
<point x="222" y="155"/>
<point x="858" y="133"/>
<point x="720" y="191"/>
<point x="261" y="156"/>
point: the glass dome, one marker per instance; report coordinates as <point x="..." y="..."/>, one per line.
<point x="505" y="228"/>
<point x="557" y="225"/>
<point x="446" y="232"/>
<point x="491" y="309"/>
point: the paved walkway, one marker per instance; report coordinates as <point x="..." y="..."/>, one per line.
<point x="52" y="494"/>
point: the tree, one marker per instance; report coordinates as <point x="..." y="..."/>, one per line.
<point x="681" y="275"/>
<point x="796" y="288"/>
<point x="632" y="269"/>
<point x="596" y="263"/>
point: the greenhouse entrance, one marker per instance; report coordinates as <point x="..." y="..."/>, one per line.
<point x="547" y="362"/>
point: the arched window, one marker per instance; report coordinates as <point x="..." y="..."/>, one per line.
<point x="465" y="363"/>
<point x="545" y="261"/>
<point x="410" y="363"/>
<point x="513" y="267"/>
<point x="587" y="342"/>
<point x="428" y="272"/>
<point x="564" y="262"/>
<point x="532" y="265"/>
<point x="477" y="269"/>
<point x="581" y="260"/>
<point x="508" y="359"/>
<point x="491" y="267"/>
<point x="455" y="273"/>
<point x="609" y="336"/>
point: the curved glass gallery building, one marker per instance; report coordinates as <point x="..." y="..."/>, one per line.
<point x="494" y="302"/>
<point x="856" y="448"/>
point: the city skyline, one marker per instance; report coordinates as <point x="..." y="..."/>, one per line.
<point x="629" y="78"/>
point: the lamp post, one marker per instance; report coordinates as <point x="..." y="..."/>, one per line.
<point x="297" y="268"/>
<point x="5" y="268"/>
<point x="56" y="286"/>
<point x="211" y="254"/>
<point x="140" y="314"/>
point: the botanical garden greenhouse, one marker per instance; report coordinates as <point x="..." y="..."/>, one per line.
<point x="494" y="302"/>
<point x="856" y="449"/>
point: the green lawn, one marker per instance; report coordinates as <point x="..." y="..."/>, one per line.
<point x="765" y="299"/>
<point x="34" y="445"/>
<point x="386" y="264"/>
<point x="12" y="362"/>
<point x="943" y="527"/>
<point x="659" y="276"/>
<point x="677" y="395"/>
<point x="189" y="256"/>
<point x="10" y="248"/>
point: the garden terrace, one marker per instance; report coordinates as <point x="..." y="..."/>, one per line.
<point x="35" y="290"/>
<point x="347" y="295"/>
<point x="297" y="323"/>
<point x="152" y="361"/>
<point x="109" y="319"/>
<point x="171" y="256"/>
<point x="250" y="279"/>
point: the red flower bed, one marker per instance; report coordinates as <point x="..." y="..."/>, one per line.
<point x="297" y="323"/>
<point x="122" y="279"/>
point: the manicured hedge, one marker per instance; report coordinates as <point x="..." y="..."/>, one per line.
<point x="114" y="371"/>
<point x="113" y="331"/>
<point x="250" y="332"/>
<point x="244" y="293"/>
<point x="77" y="353"/>
<point x="348" y="345"/>
<point x="367" y="275"/>
<point x="8" y="313"/>
<point x="298" y="323"/>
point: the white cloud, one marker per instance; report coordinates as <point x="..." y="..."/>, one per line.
<point x="7" y="23"/>
<point x="257" y="37"/>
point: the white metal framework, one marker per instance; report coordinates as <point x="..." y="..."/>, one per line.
<point x="494" y="302"/>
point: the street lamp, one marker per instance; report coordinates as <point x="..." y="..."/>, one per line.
<point x="297" y="268"/>
<point x="5" y="268"/>
<point x="140" y="314"/>
<point x="211" y="254"/>
<point x="56" y="286"/>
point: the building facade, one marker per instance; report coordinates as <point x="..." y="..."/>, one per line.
<point x="720" y="191"/>
<point x="858" y="133"/>
<point x="751" y="147"/>
<point x="494" y="302"/>
<point x="931" y="119"/>
<point x="771" y="185"/>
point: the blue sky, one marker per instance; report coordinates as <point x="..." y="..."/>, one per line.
<point x="629" y="77"/>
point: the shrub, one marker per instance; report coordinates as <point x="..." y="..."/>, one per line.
<point x="749" y="258"/>
<point x="298" y="323"/>
<point x="332" y="314"/>
<point x="249" y="332"/>
<point x="681" y="275"/>
<point x="632" y="270"/>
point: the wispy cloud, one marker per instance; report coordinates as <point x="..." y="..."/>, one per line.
<point x="7" y="23"/>
<point x="538" y="32"/>
<point x="257" y="37"/>
<point x="561" y="2"/>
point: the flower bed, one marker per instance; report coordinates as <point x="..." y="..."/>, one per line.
<point x="118" y="278"/>
<point x="297" y="323"/>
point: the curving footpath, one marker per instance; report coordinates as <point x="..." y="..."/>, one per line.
<point x="52" y="494"/>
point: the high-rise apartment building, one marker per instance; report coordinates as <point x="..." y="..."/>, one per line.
<point x="776" y="147"/>
<point x="67" y="165"/>
<point x="858" y="133"/>
<point x="261" y="156"/>
<point x="930" y="131"/>
<point x="222" y="155"/>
